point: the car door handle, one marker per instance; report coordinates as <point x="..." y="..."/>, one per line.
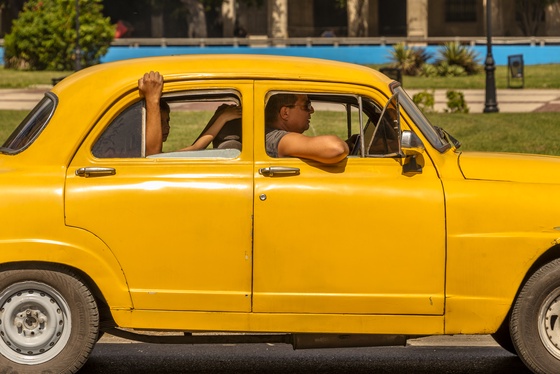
<point x="95" y="172"/>
<point x="278" y="170"/>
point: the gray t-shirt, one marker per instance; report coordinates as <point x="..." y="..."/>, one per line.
<point x="272" y="138"/>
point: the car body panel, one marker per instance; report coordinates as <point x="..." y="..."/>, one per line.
<point x="193" y="218"/>
<point x="304" y="271"/>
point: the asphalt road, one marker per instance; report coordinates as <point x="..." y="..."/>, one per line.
<point x="121" y="358"/>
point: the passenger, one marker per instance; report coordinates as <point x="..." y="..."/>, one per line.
<point x="158" y="117"/>
<point x="287" y="116"/>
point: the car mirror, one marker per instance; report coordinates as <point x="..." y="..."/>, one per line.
<point x="411" y="145"/>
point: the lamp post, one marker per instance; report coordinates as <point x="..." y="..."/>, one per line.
<point x="490" y="104"/>
<point x="78" y="50"/>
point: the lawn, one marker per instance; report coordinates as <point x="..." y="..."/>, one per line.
<point x="503" y="132"/>
<point x="500" y="132"/>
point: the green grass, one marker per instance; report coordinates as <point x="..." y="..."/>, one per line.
<point x="503" y="132"/>
<point x="23" y="79"/>
<point x="499" y="132"/>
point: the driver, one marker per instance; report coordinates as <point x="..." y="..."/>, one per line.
<point x="287" y="116"/>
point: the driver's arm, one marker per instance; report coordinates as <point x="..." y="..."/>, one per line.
<point x="328" y="149"/>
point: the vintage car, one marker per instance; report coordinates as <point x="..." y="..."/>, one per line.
<point x="406" y="237"/>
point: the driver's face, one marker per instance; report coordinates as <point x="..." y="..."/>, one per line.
<point x="299" y="114"/>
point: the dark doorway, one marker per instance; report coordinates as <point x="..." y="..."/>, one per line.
<point x="330" y="18"/>
<point x="392" y="18"/>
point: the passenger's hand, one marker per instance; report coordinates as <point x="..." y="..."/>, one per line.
<point x="230" y="112"/>
<point x="151" y="85"/>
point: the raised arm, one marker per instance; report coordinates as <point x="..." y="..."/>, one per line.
<point x="328" y="149"/>
<point x="151" y="86"/>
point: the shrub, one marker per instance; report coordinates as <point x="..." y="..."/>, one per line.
<point x="446" y="70"/>
<point x="425" y="101"/>
<point x="43" y="37"/>
<point x="455" y="54"/>
<point x="409" y="60"/>
<point x="456" y="102"/>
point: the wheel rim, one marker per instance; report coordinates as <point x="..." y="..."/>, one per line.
<point x="35" y="323"/>
<point x="549" y="323"/>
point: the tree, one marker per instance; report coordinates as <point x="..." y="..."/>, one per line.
<point x="531" y="13"/>
<point x="43" y="37"/>
<point x="357" y="17"/>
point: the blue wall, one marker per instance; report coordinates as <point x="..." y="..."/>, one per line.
<point x="532" y="55"/>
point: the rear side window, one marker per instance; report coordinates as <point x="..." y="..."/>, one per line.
<point x="124" y="137"/>
<point x="30" y="128"/>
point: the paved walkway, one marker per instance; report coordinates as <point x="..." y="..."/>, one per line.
<point x="509" y="100"/>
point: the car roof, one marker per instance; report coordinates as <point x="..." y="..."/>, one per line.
<point x="233" y="66"/>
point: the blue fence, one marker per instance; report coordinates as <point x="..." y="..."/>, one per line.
<point x="375" y="54"/>
<point x="366" y="54"/>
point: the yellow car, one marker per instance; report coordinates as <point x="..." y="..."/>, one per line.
<point x="405" y="237"/>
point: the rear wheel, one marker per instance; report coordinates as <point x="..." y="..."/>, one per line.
<point x="535" y="322"/>
<point x="48" y="322"/>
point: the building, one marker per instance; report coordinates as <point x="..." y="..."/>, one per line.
<point x="314" y="18"/>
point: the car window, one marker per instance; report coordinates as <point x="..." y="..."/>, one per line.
<point x="32" y="125"/>
<point x="124" y="137"/>
<point x="382" y="138"/>
<point x="190" y="116"/>
<point x="343" y="115"/>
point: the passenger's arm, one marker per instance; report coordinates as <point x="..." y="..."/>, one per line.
<point x="151" y="86"/>
<point x="328" y="149"/>
<point x="226" y="115"/>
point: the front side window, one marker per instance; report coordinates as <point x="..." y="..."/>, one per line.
<point x="369" y="129"/>
<point x="196" y="124"/>
<point x="30" y="128"/>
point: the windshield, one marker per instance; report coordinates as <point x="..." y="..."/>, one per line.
<point x="428" y="130"/>
<point x="30" y="127"/>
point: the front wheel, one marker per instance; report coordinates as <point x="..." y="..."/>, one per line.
<point x="535" y="322"/>
<point x="48" y="322"/>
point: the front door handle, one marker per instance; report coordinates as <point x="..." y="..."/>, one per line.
<point x="95" y="172"/>
<point x="278" y="170"/>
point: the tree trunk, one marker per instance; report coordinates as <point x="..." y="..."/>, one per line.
<point x="196" y="19"/>
<point x="278" y="18"/>
<point x="358" y="11"/>
<point x="228" y="18"/>
<point x="531" y="14"/>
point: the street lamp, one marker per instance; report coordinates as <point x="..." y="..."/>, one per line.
<point x="78" y="50"/>
<point x="490" y="104"/>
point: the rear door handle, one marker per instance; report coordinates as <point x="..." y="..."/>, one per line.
<point x="278" y="171"/>
<point x="95" y="172"/>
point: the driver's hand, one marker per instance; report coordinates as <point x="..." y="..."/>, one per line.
<point x="351" y="141"/>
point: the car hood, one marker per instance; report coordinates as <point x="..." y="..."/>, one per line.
<point x="510" y="167"/>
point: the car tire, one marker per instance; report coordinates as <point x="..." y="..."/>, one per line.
<point x="535" y="320"/>
<point x="48" y="322"/>
<point x="503" y="337"/>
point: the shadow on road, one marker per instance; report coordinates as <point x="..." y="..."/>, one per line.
<point x="281" y="359"/>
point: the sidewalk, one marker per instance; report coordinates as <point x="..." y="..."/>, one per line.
<point x="509" y="100"/>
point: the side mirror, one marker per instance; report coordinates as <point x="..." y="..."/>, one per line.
<point x="411" y="145"/>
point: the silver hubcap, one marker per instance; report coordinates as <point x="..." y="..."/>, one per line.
<point x="34" y="323"/>
<point x="549" y="323"/>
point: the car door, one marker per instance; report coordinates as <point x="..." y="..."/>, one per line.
<point x="359" y="237"/>
<point x="179" y="223"/>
